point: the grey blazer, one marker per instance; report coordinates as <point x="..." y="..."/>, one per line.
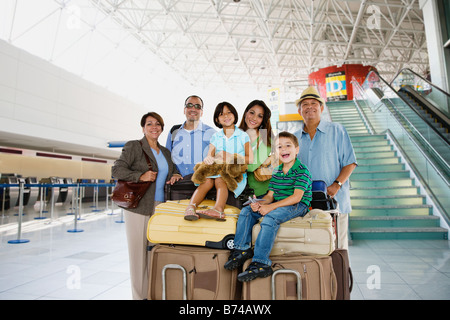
<point x="132" y="164"/>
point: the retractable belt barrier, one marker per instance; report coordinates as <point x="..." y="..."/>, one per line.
<point x="78" y="202"/>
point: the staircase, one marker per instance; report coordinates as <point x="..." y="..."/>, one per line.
<point x="386" y="203"/>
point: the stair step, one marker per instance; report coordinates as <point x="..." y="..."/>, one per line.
<point x="372" y="148"/>
<point x="369" y="137"/>
<point x="380" y="191"/>
<point x="394" y="222"/>
<point x="358" y="143"/>
<point x="399" y="233"/>
<point x="388" y="200"/>
<point x="378" y="160"/>
<point x="386" y="160"/>
<point x="380" y="167"/>
<point x="381" y="183"/>
<point x="379" y="154"/>
<point x="391" y="210"/>
<point x="363" y="130"/>
<point x="361" y="175"/>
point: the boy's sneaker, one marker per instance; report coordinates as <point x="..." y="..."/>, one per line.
<point x="255" y="270"/>
<point x="237" y="258"/>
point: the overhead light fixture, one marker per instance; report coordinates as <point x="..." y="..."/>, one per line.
<point x="236" y="1"/>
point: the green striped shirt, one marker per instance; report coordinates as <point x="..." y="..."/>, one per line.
<point x="298" y="177"/>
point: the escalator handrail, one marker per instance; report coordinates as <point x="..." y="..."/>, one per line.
<point x="422" y="78"/>
<point x="407" y="103"/>
<point x="430" y="147"/>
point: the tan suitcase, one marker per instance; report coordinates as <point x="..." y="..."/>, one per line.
<point x="312" y="234"/>
<point x="295" y="277"/>
<point x="191" y="273"/>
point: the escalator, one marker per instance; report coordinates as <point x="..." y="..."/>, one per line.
<point x="429" y="101"/>
<point x="400" y="189"/>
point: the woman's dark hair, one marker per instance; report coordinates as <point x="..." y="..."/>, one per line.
<point x="219" y="110"/>
<point x="265" y="124"/>
<point x="154" y="115"/>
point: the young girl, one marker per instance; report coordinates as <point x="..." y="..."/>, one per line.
<point x="223" y="145"/>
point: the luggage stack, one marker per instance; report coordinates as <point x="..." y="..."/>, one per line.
<point x="188" y="258"/>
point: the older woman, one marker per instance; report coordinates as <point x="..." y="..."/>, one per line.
<point x="132" y="166"/>
<point x="256" y="123"/>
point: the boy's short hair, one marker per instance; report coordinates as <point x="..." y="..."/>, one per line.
<point x="288" y="135"/>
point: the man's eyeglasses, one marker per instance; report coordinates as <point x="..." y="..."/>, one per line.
<point x="196" y="106"/>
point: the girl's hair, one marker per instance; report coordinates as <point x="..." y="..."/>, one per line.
<point x="219" y="110"/>
<point x="154" y="115"/>
<point x="265" y="124"/>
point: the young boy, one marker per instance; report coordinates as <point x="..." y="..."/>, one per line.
<point x="288" y="197"/>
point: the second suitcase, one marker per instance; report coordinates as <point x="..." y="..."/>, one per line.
<point x="295" y="277"/>
<point x="312" y="234"/>
<point x="344" y="276"/>
<point x="183" y="189"/>
<point x="190" y="273"/>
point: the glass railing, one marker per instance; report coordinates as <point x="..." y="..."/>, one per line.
<point x="382" y="107"/>
<point x="433" y="94"/>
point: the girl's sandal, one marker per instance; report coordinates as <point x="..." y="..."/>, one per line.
<point x="189" y="213"/>
<point x="212" y="214"/>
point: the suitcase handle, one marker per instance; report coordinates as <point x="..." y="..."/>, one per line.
<point x="299" y="281"/>
<point x="173" y="266"/>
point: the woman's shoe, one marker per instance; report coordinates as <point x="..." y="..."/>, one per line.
<point x="255" y="270"/>
<point x="237" y="258"/>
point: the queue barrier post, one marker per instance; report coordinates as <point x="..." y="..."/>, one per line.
<point x="19" y="226"/>
<point x="77" y="211"/>
<point x="41" y="205"/>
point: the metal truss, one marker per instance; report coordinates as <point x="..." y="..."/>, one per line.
<point x="262" y="43"/>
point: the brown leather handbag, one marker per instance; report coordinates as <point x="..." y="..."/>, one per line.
<point x="127" y="194"/>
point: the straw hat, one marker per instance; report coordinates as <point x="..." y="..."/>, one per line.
<point x="310" y="93"/>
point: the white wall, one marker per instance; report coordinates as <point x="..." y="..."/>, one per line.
<point x="42" y="100"/>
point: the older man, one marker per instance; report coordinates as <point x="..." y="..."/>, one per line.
<point x="326" y="149"/>
<point x="189" y="141"/>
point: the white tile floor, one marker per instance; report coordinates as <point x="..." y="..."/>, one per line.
<point x="93" y="264"/>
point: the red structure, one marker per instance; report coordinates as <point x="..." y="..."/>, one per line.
<point x="334" y="82"/>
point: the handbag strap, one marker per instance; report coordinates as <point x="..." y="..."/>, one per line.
<point x="146" y="157"/>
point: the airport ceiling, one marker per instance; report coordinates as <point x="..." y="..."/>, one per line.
<point x="243" y="45"/>
<point x="237" y="43"/>
<point x="262" y="43"/>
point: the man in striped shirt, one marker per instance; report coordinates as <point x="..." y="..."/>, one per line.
<point x="288" y="197"/>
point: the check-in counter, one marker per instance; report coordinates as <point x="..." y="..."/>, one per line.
<point x="10" y="195"/>
<point x="50" y="191"/>
<point x="68" y="195"/>
<point x="30" y="193"/>
<point x="87" y="192"/>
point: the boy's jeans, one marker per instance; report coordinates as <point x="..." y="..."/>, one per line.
<point x="269" y="228"/>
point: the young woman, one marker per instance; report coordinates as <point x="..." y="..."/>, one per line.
<point x="223" y="147"/>
<point x="256" y="123"/>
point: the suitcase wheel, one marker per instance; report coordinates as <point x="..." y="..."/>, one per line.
<point x="228" y="242"/>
